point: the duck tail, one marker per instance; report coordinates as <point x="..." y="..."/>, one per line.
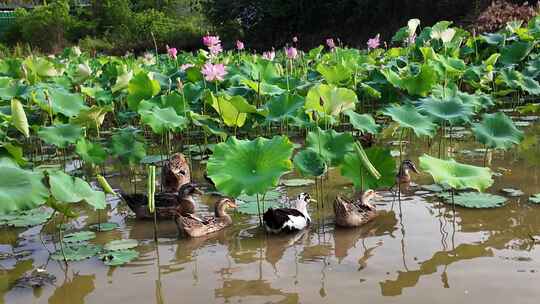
<point x="268" y="215"/>
<point x="134" y="200"/>
<point x="340" y="207"/>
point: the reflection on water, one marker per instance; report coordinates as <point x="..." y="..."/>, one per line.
<point x="417" y="251"/>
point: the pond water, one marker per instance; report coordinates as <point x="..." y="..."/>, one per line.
<point x="416" y="251"/>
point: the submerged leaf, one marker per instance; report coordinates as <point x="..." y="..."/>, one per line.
<point x="121" y="244"/>
<point x="535" y="199"/>
<point x="77" y="237"/>
<point x="117" y="258"/>
<point x="103" y="226"/>
<point x="477" y="200"/>
<point x="76" y="253"/>
<point x="247" y="204"/>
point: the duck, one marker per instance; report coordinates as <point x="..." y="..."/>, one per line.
<point x="403" y="177"/>
<point x="289" y="219"/>
<point x="195" y="227"/>
<point x="175" y="173"/>
<point x="167" y="203"/>
<point x="355" y="213"/>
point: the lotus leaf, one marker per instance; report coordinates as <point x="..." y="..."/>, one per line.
<point x="331" y="145"/>
<point x="330" y="100"/>
<point x="512" y="192"/>
<point x="93" y="117"/>
<point x="353" y="169"/>
<point x="335" y="74"/>
<point x="456" y="175"/>
<point x="68" y="189"/>
<point x="515" y="52"/>
<point x="26" y="218"/>
<point x="263" y="88"/>
<point x="363" y="122"/>
<point x="535" y="199"/>
<point x="477" y="200"/>
<point x="117" y="258"/>
<point x="60" y="135"/>
<point x="66" y="103"/>
<point x="419" y="83"/>
<point x="162" y="120"/>
<point x="91" y="153"/>
<point x="104" y="226"/>
<point x="76" y="253"/>
<point x="297" y="182"/>
<point x="408" y="117"/>
<point x="309" y="163"/>
<point x="126" y="146"/>
<point x="141" y="87"/>
<point x="497" y="131"/>
<point x="121" y="245"/>
<point x="450" y="110"/>
<point x="20" y="189"/>
<point x="224" y="106"/>
<point x="77" y="237"/>
<point x="247" y="204"/>
<point x="249" y="166"/>
<point x="18" y="117"/>
<point x="284" y="106"/>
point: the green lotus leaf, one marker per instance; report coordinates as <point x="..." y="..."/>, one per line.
<point x="26" y="218"/>
<point x="121" y="244"/>
<point x="284" y="106"/>
<point x="535" y="199"/>
<point x="76" y="253"/>
<point x="247" y="204"/>
<point x="263" y="88"/>
<point x="66" y="103"/>
<point x="103" y="227"/>
<point x="141" y="87"/>
<point x="353" y="169"/>
<point x="18" y="117"/>
<point x="162" y="120"/>
<point x="93" y="117"/>
<point x="363" y="122"/>
<point x="456" y="175"/>
<point x="309" y="163"/>
<point x="331" y="145"/>
<point x="297" y="182"/>
<point x="497" y="131"/>
<point x="91" y="153"/>
<point x="126" y="147"/>
<point x="477" y="200"/>
<point x="117" y="258"/>
<point x="419" y="83"/>
<point x="78" y="237"/>
<point x="20" y="189"/>
<point x="60" y="135"/>
<point x="517" y="80"/>
<point x="330" y="100"/>
<point x="515" y="52"/>
<point x="68" y="189"/>
<point x="408" y="117"/>
<point x="173" y="100"/>
<point x="334" y="74"/>
<point x="249" y="166"/>
<point x="122" y="81"/>
<point x="224" y="106"/>
<point x="209" y="124"/>
<point x="450" y="110"/>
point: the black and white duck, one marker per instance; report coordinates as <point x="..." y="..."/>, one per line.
<point x="289" y="219"/>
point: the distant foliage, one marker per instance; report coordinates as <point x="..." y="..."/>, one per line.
<point x="500" y="12"/>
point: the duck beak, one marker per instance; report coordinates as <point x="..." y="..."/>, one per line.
<point x="413" y="167"/>
<point x="311" y="200"/>
<point x="377" y="196"/>
<point x="233" y="204"/>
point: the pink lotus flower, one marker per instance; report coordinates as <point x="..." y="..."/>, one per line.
<point x="374" y="42"/>
<point x="330" y="43"/>
<point x="239" y="45"/>
<point x="270" y="55"/>
<point x="213" y="72"/>
<point x="215" y="49"/>
<point x="291" y="52"/>
<point x="211" y="40"/>
<point x="295" y="39"/>
<point x="172" y="52"/>
<point x="186" y="66"/>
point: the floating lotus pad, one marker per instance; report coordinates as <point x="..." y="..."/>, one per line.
<point x="477" y="200"/>
<point x="76" y="253"/>
<point x="26" y="218"/>
<point x="120" y="257"/>
<point x="512" y="192"/>
<point x="457" y="175"/>
<point x="247" y="204"/>
<point x="535" y="199"/>
<point x="77" y="237"/>
<point x="104" y="226"/>
<point x="121" y="244"/>
<point x="297" y="182"/>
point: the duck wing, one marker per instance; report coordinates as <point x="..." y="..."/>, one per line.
<point x="135" y="200"/>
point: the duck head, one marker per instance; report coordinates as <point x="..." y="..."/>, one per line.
<point x="407" y="165"/>
<point x="178" y="163"/>
<point x="303" y="199"/>
<point x="223" y="204"/>
<point x="369" y="195"/>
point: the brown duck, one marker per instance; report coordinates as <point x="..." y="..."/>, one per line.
<point x="194" y="227"/>
<point x="175" y="173"/>
<point x="355" y="213"/>
<point x="167" y="204"/>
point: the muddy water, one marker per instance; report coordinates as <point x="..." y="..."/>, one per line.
<point x="414" y="252"/>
